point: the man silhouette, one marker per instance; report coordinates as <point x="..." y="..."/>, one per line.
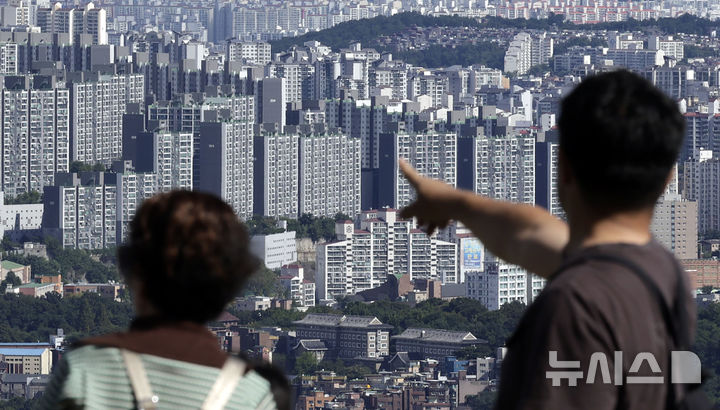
<point x="619" y="141"/>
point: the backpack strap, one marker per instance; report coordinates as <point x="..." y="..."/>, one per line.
<point x="675" y="323"/>
<point x="228" y="379"/>
<point x="142" y="391"/>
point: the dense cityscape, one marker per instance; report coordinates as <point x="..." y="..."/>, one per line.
<point x="297" y="114"/>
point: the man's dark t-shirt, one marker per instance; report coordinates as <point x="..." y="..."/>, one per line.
<point x="594" y="306"/>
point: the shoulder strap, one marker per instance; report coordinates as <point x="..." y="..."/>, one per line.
<point x="142" y="391"/>
<point x="669" y="315"/>
<point x="229" y="377"/>
<point x="676" y="324"/>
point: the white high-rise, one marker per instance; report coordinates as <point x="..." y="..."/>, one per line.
<point x="249" y="52"/>
<point x="382" y="244"/>
<point x="276" y="175"/>
<point x="173" y="160"/>
<point x="97" y="110"/>
<point x="35" y="133"/>
<point x="432" y="154"/>
<point x="702" y="184"/>
<point x="505" y="168"/>
<point x="92" y="210"/>
<point x="329" y="174"/>
<point x="225" y="160"/>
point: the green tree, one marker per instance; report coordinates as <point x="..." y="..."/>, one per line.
<point x="10" y="280"/>
<point x="482" y="401"/>
<point x="264" y="282"/>
<point x="30" y="197"/>
<point x="306" y="363"/>
<point x="538" y="70"/>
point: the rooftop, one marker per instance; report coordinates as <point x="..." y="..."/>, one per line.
<point x="21" y="352"/>
<point x="10" y="265"/>
<point x="439" y="335"/>
<point x="328" y="319"/>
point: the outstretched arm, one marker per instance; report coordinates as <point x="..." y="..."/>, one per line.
<point x="521" y="234"/>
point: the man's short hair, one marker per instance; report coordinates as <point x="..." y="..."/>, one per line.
<point x="620" y="136"/>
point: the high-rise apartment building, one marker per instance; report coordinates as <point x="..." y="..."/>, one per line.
<point x="75" y="22"/>
<point x="675" y="222"/>
<point x="249" y="52"/>
<point x="35" y="133"/>
<point x="702" y="184"/>
<point x="8" y="58"/>
<point x="505" y="168"/>
<point x="173" y="160"/>
<point x="432" y="154"/>
<point x="673" y="48"/>
<point x="500" y="283"/>
<point x="225" y="161"/>
<point x="81" y="210"/>
<point x="546" y="177"/>
<point x="329" y="174"/>
<point x="276" y="175"/>
<point x="92" y="210"/>
<point x="97" y="110"/>
<point x="382" y="245"/>
<point x="526" y="50"/>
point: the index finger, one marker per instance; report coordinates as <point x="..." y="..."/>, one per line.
<point x="410" y="173"/>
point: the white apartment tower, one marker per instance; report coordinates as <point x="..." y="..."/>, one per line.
<point x="8" y="58"/>
<point x="35" y="133"/>
<point x="92" y="210"/>
<point x="702" y="184"/>
<point x="526" y="51"/>
<point x="225" y="158"/>
<point x="74" y="22"/>
<point x="329" y="174"/>
<point x="276" y="175"/>
<point x="505" y="168"/>
<point x="249" y="52"/>
<point x="173" y="160"/>
<point x="382" y="244"/>
<point x="432" y="154"/>
<point x="97" y="109"/>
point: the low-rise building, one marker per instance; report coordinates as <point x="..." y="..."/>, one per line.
<point x="276" y="249"/>
<point x="21" y="271"/>
<point x="302" y="291"/>
<point x="26" y="358"/>
<point x="702" y="272"/>
<point x="435" y="343"/>
<point x="106" y="290"/>
<point x="253" y="303"/>
<point x="38" y="289"/>
<point x="346" y="336"/>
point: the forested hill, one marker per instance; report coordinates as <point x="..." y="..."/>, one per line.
<point x="366" y="31"/>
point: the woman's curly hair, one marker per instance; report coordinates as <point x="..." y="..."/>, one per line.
<point x="190" y="253"/>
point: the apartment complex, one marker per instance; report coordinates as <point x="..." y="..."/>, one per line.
<point x="329" y="174"/>
<point x="505" y="168"/>
<point x="249" y="52"/>
<point x="431" y="154"/>
<point x="526" y="51"/>
<point x="75" y="22"/>
<point x="97" y="110"/>
<point x="498" y="283"/>
<point x="382" y="244"/>
<point x="35" y="133"/>
<point x="225" y="160"/>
